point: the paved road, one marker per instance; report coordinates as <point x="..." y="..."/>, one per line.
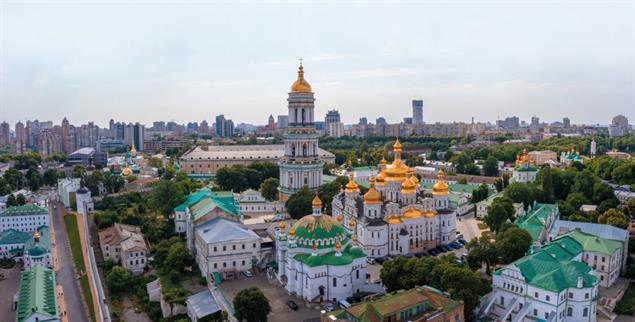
<point x="65" y="276"/>
<point x="468" y="227"/>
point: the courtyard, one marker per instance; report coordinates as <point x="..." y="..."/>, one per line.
<point x="277" y="297"/>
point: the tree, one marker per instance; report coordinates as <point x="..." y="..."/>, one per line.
<point x="20" y="200"/>
<point x="177" y="258"/>
<point x="79" y="171"/>
<point x="299" y="205"/>
<point x="11" y="202"/>
<point x="155" y="162"/>
<point x="480" y="193"/>
<point x="118" y="280"/>
<point x="14" y="178"/>
<point x="269" y="189"/>
<point x="520" y="192"/>
<point x="625" y="173"/>
<point x="166" y="196"/>
<point x="501" y="210"/>
<point x="630" y="207"/>
<point x="512" y="244"/>
<point x="480" y="251"/>
<point x="168" y="173"/>
<point x="251" y="305"/>
<point x="461" y="162"/>
<point x="490" y="167"/>
<point x="34" y="179"/>
<point x="546" y="183"/>
<point x="614" y="217"/>
<point x="49" y="178"/>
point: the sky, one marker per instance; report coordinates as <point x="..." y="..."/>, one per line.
<point x="189" y="61"/>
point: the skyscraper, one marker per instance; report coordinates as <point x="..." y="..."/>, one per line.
<point x="224" y="127"/>
<point x="301" y="166"/>
<point x="5" y="133"/>
<point x="333" y="124"/>
<point x="66" y="136"/>
<point x="566" y="122"/>
<point x="417" y="111"/>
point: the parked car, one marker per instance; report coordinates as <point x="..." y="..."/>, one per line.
<point x="445" y="248"/>
<point x="380" y="260"/>
<point x="248" y="274"/>
<point x="292" y="305"/>
<point x="433" y="252"/>
<point x="455" y="245"/>
<point x="370" y="260"/>
<point x="343" y="304"/>
<point x="462" y="241"/>
<point x="441" y="249"/>
<point x="328" y="307"/>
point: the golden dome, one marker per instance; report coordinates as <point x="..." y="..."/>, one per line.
<point x="282" y="225"/>
<point x="338" y="245"/>
<point x="381" y="178"/>
<point x="383" y="161"/>
<point x="292" y="232"/>
<point x="351" y="222"/>
<point x="351" y="186"/>
<point x="340" y="218"/>
<point x="301" y="85"/>
<point x="354" y="238"/>
<point x="429" y="214"/>
<point x="412" y="213"/>
<point x="316" y="203"/>
<point x="397" y="146"/>
<point x="372" y="197"/>
<point x="440" y="188"/>
<point x="36" y="236"/>
<point x="408" y="187"/>
<point x="393" y="220"/>
<point x="126" y="172"/>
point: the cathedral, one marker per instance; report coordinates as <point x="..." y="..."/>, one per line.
<point x="394" y="217"/>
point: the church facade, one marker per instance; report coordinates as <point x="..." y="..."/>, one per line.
<point x="395" y="217"/>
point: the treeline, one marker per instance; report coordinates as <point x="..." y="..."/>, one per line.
<point x="239" y="178"/>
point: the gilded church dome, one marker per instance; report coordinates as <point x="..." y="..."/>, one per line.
<point x="412" y="213"/>
<point x="372" y="197"/>
<point x="381" y="179"/>
<point x="440" y="188"/>
<point x="408" y="187"/>
<point x="351" y="186"/>
<point x="301" y="85"/>
<point x="316" y="203"/>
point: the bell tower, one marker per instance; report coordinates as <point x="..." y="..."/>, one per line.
<point x="301" y="166"/>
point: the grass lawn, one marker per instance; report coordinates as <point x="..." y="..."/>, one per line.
<point x="627" y="304"/>
<point x="78" y="258"/>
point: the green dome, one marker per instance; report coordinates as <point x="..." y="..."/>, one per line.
<point x="322" y="230"/>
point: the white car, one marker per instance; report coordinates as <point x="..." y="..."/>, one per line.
<point x="248" y="274"/>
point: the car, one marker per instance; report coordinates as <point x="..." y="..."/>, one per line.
<point x="328" y="307"/>
<point x="248" y="274"/>
<point x="445" y="248"/>
<point x="433" y="252"/>
<point x="380" y="260"/>
<point x="440" y="249"/>
<point x="455" y="245"/>
<point x="462" y="241"/>
<point x="370" y="260"/>
<point x="459" y="235"/>
<point x="421" y="254"/>
<point x="292" y="305"/>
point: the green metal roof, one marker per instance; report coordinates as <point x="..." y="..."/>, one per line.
<point x="192" y="199"/>
<point x="43" y="246"/>
<point x="554" y="268"/>
<point x="535" y="220"/>
<point x="347" y="257"/>
<point x="37" y="294"/>
<point x="26" y="210"/>
<point x="203" y="201"/>
<point x="12" y="236"/>
<point x="592" y="243"/>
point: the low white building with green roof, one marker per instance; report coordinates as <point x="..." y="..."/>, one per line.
<point x="37" y="299"/>
<point x="318" y="260"/>
<point x="538" y="220"/>
<point x="551" y="283"/>
<point x="12" y="243"/>
<point x="26" y="218"/>
<point x="32" y="249"/>
<point x="482" y="207"/>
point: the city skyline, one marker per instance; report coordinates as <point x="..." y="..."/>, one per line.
<point x="142" y="62"/>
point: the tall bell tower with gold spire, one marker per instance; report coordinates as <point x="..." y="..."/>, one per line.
<point x="301" y="166"/>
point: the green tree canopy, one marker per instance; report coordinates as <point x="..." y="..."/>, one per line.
<point x="269" y="189"/>
<point x="501" y="210"/>
<point x="299" y="205"/>
<point x="614" y="217"/>
<point x="118" y="280"/>
<point x="251" y="305"/>
<point x="512" y="244"/>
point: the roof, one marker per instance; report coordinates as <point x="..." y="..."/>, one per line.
<point x="202" y="304"/>
<point x="37" y="294"/>
<point x="204" y="201"/>
<point x="87" y="150"/>
<point x="537" y="219"/>
<point x="554" y="267"/>
<point x="192" y="199"/>
<point x="12" y="236"/>
<point x="311" y="227"/>
<point x="454" y="187"/>
<point x="600" y="230"/>
<point x="221" y="229"/>
<point x="434" y="301"/>
<point x="25" y="210"/>
<point x="594" y="244"/>
<point x="127" y="236"/>
<point x="42" y="246"/>
<point x="348" y="255"/>
<point x="265" y="152"/>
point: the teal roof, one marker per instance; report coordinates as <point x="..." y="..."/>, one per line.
<point x="574" y="157"/>
<point x="12" y="236"/>
<point x="366" y="168"/>
<point x="310" y="228"/>
<point x="526" y="169"/>
<point x="592" y="243"/>
<point x="26" y="210"/>
<point x="203" y="201"/>
<point x="37" y="294"/>
<point x="535" y="221"/>
<point x="330" y="258"/>
<point x="42" y="246"/>
<point x="554" y="268"/>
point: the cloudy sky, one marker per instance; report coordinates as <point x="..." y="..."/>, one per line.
<point x="163" y="60"/>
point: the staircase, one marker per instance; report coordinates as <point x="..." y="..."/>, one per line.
<point x="508" y="310"/>
<point x="522" y="313"/>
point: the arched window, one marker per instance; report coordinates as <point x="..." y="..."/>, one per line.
<point x="302" y="116"/>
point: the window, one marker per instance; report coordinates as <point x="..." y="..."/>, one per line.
<point x="215" y="249"/>
<point x="585" y="312"/>
<point x="547" y="298"/>
<point x="233" y="247"/>
<point x="334" y="281"/>
<point x="502" y="300"/>
<point x="215" y="265"/>
<point x="224" y="248"/>
<point x="243" y="246"/>
<point x="535" y="312"/>
<point x="569" y="311"/>
<point x="586" y="295"/>
<point x="570" y="295"/>
<point x="536" y="294"/>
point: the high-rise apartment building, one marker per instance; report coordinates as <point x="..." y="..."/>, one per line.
<point x="66" y="136"/>
<point x="224" y="127"/>
<point x="417" y="111"/>
<point x="5" y="133"/>
<point x="203" y="128"/>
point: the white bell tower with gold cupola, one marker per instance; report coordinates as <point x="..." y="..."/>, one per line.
<point x="301" y="166"/>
